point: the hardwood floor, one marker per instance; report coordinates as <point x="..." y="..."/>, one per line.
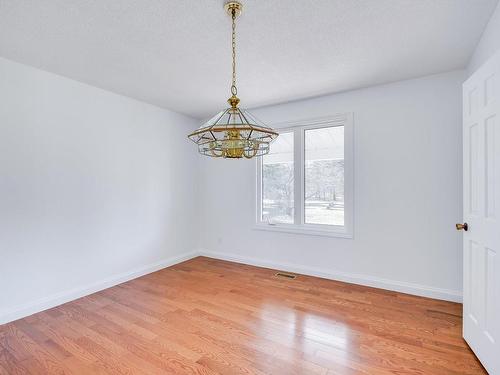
<point x="207" y="316"/>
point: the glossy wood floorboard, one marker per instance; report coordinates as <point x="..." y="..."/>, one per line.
<point x="207" y="316"/>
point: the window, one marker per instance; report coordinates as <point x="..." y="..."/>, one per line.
<point x="305" y="183"/>
<point x="278" y="181"/>
<point x="324" y="176"/>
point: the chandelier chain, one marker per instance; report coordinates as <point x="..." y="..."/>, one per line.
<point x="233" y="133"/>
<point x="234" y="90"/>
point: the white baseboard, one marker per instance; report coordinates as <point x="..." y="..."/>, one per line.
<point x="18" y="312"/>
<point x="377" y="282"/>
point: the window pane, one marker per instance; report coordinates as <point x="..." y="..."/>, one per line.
<point x="324" y="176"/>
<point x="277" y="181"/>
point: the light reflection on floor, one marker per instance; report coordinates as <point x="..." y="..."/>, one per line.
<point x="310" y="333"/>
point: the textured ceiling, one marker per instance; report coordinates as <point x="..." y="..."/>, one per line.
<point x="176" y="54"/>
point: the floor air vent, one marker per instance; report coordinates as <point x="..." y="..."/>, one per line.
<point x="284" y="275"/>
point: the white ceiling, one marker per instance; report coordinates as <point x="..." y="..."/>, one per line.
<point x="176" y="54"/>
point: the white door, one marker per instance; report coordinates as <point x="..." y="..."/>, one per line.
<point x="481" y="189"/>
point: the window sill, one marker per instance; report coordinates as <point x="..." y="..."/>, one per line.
<point x="303" y="230"/>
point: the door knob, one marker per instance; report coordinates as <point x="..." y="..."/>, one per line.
<point x="463" y="226"/>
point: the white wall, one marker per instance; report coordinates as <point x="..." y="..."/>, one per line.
<point x="407" y="193"/>
<point x="489" y="43"/>
<point x="95" y="188"/>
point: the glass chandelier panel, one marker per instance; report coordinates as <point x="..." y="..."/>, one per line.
<point x="233" y="133"/>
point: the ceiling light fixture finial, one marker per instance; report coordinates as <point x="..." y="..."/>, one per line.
<point x="233" y="133"/>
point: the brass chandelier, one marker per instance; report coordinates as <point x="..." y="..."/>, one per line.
<point x="233" y="133"/>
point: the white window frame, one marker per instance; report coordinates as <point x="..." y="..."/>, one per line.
<point x="300" y="226"/>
